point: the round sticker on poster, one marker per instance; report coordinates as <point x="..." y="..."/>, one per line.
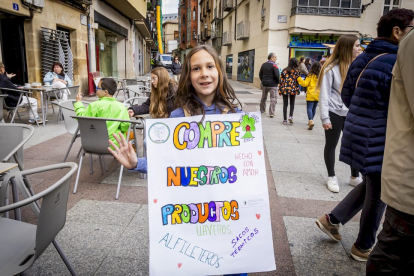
<point x="159" y="133"/>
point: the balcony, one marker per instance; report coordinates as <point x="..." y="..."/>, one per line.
<point x="227" y="38"/>
<point x="227" y="5"/>
<point x="130" y="8"/>
<point x="215" y="34"/>
<point x="243" y="30"/>
<point x="207" y="34"/>
<point x="340" y="8"/>
<point x="143" y="27"/>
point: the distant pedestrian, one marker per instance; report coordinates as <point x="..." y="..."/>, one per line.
<point x="333" y="111"/>
<point x="393" y="253"/>
<point x="308" y="64"/>
<point x="366" y="92"/>
<point x="303" y="72"/>
<point x="176" y="69"/>
<point x="312" y="94"/>
<point x="269" y="77"/>
<point x="289" y="88"/>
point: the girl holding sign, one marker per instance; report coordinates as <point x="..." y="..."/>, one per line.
<point x="203" y="90"/>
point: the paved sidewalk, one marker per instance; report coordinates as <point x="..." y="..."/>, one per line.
<point x="104" y="236"/>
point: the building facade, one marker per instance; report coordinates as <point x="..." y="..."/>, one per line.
<point x="188" y="29"/>
<point x="170" y="32"/>
<point x="252" y="29"/>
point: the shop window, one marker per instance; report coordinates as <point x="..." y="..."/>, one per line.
<point x="106" y="53"/>
<point x="390" y="5"/>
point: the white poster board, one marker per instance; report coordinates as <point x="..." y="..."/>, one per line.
<point x="208" y="196"/>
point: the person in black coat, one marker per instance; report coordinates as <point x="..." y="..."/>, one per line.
<point x="13" y="97"/>
<point x="161" y="102"/>
<point x="269" y="76"/>
<point x="176" y="69"/>
<point x="366" y="93"/>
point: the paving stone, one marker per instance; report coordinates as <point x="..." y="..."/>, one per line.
<point x="101" y="212"/>
<point x="133" y="243"/>
<point x="323" y="267"/>
<point x="307" y="240"/>
<point x="141" y="218"/>
<point x="302" y="185"/>
<point x="289" y="158"/>
<point x="123" y="266"/>
<point x="128" y="179"/>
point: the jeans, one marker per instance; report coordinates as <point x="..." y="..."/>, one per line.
<point x="365" y="196"/>
<point x="331" y="141"/>
<point x="273" y="99"/>
<point x="394" y="252"/>
<point x="290" y="97"/>
<point x="311" y="108"/>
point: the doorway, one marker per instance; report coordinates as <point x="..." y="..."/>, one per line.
<point x="13" y="50"/>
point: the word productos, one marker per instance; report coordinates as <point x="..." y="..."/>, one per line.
<point x="202" y="255"/>
<point x="244" y="237"/>
<point x="200" y="213"/>
<point x="200" y="175"/>
<point x="217" y="134"/>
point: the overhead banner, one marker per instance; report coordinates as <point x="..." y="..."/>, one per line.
<point x="208" y="196"/>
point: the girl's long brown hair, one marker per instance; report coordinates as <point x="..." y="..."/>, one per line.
<point x="224" y="95"/>
<point x="158" y="105"/>
<point x="342" y="55"/>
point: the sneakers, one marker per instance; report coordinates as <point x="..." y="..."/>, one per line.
<point x="271" y="116"/>
<point x="332" y="183"/>
<point x="332" y="230"/>
<point x="311" y="124"/>
<point x="284" y="122"/>
<point x="355" y="181"/>
<point x="360" y="255"/>
<point x="290" y="119"/>
<point x="38" y="119"/>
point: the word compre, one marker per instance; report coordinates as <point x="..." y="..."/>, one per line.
<point x="217" y="134"/>
<point x="194" y="176"/>
<point x="192" y="251"/>
<point x="212" y="211"/>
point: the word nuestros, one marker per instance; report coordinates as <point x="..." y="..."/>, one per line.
<point x="212" y="211"/>
<point x="194" y="176"/>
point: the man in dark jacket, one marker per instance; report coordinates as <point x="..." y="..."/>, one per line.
<point x="366" y="92"/>
<point x="176" y="69"/>
<point x="13" y="97"/>
<point x="269" y="76"/>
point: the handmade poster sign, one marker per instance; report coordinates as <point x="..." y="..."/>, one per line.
<point x="208" y="197"/>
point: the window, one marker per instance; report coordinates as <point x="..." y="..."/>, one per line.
<point x="390" y="5"/>
<point x="183" y="18"/>
<point x="351" y="8"/>
<point x="194" y="13"/>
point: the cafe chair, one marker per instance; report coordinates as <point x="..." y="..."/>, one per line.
<point x="71" y="124"/>
<point x="12" y="140"/>
<point x="94" y="139"/>
<point x="13" y="110"/>
<point x="1" y="107"/>
<point x="23" y="243"/>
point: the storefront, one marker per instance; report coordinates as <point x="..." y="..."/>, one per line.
<point x="109" y="41"/>
<point x="310" y="46"/>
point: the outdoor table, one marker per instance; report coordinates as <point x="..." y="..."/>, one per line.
<point x="43" y="90"/>
<point x="5" y="167"/>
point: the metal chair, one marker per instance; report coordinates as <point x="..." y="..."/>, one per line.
<point x="23" y="243"/>
<point x="137" y="91"/>
<point x="94" y="139"/>
<point x="14" y="110"/>
<point x="71" y="124"/>
<point x="1" y="107"/>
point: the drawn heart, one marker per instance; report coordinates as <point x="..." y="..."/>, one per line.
<point x="258" y="216"/>
<point x="179" y="265"/>
<point x="259" y="152"/>
<point x="155" y="200"/>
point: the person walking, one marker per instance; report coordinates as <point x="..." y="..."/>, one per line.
<point x="308" y="64"/>
<point x="289" y="88"/>
<point x="312" y="96"/>
<point x="393" y="254"/>
<point x="332" y="109"/>
<point x="303" y="72"/>
<point x="366" y="92"/>
<point x="269" y="76"/>
<point x="176" y="69"/>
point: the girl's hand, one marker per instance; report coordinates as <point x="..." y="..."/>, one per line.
<point x="125" y="153"/>
<point x="79" y="97"/>
<point x="327" y="126"/>
<point x="131" y="113"/>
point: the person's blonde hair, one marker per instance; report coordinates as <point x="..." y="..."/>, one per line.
<point x="342" y="55"/>
<point x="158" y="105"/>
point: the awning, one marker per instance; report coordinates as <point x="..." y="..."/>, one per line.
<point x="143" y="28"/>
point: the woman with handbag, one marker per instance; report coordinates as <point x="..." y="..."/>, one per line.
<point x="366" y="92"/>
